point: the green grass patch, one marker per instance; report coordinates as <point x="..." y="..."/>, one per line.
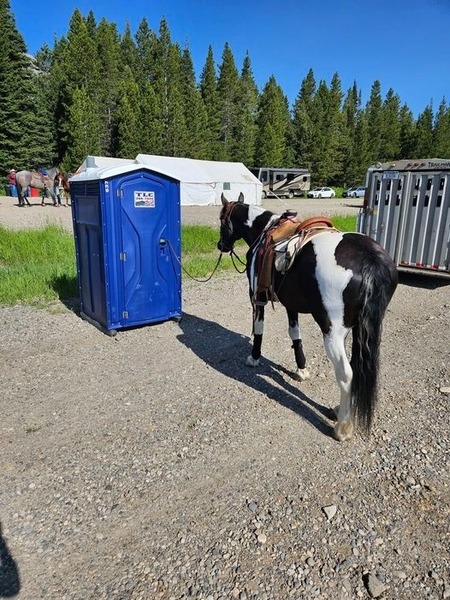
<point x="344" y="223"/>
<point x="37" y="266"/>
<point x="199" y="250"/>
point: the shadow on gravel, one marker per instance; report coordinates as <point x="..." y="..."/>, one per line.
<point x="9" y="572"/>
<point x="425" y="280"/>
<point x="226" y="351"/>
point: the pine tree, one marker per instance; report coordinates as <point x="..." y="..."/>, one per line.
<point x="390" y="148"/>
<point x="274" y="128"/>
<point x="408" y="133"/>
<point x="25" y="126"/>
<point x="146" y="47"/>
<point x="84" y="127"/>
<point x="303" y="122"/>
<point x="107" y="39"/>
<point x="375" y="122"/>
<point x="195" y="114"/>
<point x="210" y="96"/>
<point x="441" y="133"/>
<point x="127" y="120"/>
<point x="320" y="155"/>
<point x="351" y="106"/>
<point x="424" y="132"/>
<point x="362" y="153"/>
<point x="247" y="105"/>
<point x="335" y="133"/>
<point x="228" y="91"/>
<point x="151" y="126"/>
<point x="128" y="53"/>
<point x="77" y="68"/>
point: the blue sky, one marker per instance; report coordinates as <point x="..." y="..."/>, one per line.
<point x="405" y="44"/>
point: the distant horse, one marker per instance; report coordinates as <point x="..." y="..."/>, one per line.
<point x="344" y="280"/>
<point x="66" y="186"/>
<point x="35" y="179"/>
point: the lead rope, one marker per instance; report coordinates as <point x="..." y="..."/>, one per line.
<point x="187" y="273"/>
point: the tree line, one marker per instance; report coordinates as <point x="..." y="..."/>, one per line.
<point x="99" y="92"/>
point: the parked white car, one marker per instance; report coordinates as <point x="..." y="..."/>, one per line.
<point x="356" y="192"/>
<point x="322" y="192"/>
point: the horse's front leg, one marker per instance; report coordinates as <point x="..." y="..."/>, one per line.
<point x="302" y="372"/>
<point x="258" y="330"/>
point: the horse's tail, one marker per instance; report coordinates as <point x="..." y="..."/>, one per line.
<point x="379" y="280"/>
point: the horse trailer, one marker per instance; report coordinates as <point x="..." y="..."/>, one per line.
<point x="127" y="228"/>
<point x="283" y="182"/>
<point x="407" y="210"/>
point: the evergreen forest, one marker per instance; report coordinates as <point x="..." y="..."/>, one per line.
<point x="104" y="93"/>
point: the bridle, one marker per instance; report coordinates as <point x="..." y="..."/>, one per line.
<point x="227" y="216"/>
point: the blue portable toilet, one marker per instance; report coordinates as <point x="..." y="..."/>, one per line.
<point x="127" y="228"/>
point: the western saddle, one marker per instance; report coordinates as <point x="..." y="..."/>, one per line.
<point x="282" y="241"/>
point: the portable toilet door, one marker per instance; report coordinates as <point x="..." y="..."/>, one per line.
<point x="128" y="244"/>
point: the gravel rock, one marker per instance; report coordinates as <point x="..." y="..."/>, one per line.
<point x="154" y="464"/>
<point x="374" y="586"/>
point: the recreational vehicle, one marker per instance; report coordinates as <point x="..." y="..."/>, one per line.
<point x="283" y="182"/>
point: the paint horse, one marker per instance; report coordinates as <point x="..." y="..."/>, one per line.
<point x="344" y="280"/>
<point x="35" y="179"/>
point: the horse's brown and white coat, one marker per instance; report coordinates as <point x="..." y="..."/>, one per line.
<point x="345" y="280"/>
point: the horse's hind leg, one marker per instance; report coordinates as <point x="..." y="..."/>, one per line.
<point x="302" y="372"/>
<point x="258" y="330"/>
<point x="334" y="342"/>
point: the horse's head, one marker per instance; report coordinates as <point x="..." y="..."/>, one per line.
<point x="240" y="221"/>
<point x="232" y="218"/>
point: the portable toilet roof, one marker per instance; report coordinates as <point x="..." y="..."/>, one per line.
<point x="100" y="167"/>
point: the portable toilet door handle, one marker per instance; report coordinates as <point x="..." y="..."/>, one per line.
<point x="162" y="246"/>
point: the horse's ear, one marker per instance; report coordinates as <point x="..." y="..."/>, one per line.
<point x="224" y="200"/>
<point x="241" y="198"/>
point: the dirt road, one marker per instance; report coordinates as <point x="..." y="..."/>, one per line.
<point x="13" y="216"/>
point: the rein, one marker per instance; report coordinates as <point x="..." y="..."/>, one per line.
<point x="233" y="255"/>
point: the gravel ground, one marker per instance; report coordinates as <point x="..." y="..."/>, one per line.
<point x="155" y="465"/>
<point x="13" y="216"/>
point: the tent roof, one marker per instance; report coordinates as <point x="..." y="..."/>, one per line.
<point x="190" y="170"/>
<point x="185" y="170"/>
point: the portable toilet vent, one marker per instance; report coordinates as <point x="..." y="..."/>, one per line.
<point x="127" y="227"/>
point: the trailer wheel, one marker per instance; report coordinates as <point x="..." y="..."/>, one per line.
<point x="290" y="194"/>
<point x="263" y="195"/>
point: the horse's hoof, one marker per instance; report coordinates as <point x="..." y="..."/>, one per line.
<point x="343" y="431"/>
<point x="302" y="374"/>
<point x="252" y="362"/>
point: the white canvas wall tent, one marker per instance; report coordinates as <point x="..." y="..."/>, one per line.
<point x="202" y="182"/>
